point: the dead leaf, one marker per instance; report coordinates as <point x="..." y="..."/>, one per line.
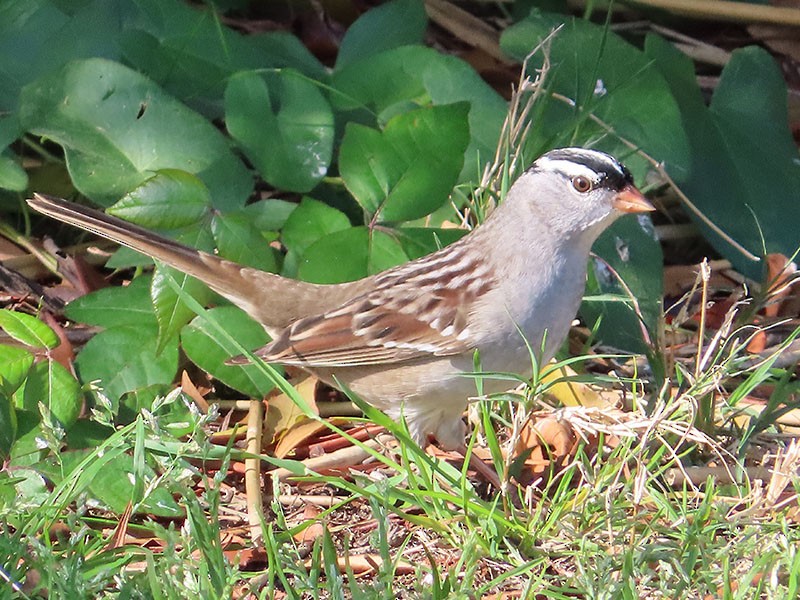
<point x="313" y="531"/>
<point x="64" y="353"/>
<point x="362" y="564"/>
<point x="545" y="441"/>
<point x="190" y="389"/>
<point x="296" y="435"/>
<point x="283" y="413"/>
<point x="781" y="277"/>
<point x="574" y="393"/>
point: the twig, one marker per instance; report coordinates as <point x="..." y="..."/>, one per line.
<point x="466" y="27"/>
<point x="704" y="275"/>
<point x="663" y="173"/>
<point x="345" y="457"/>
<point x="252" y="473"/>
<point x="727" y="11"/>
<point x="631" y="296"/>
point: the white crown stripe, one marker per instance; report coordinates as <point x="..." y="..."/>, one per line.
<point x="568" y="168"/>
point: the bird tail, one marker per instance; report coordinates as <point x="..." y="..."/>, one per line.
<point x="273" y="301"/>
<point x="201" y="265"/>
<point x="243" y="286"/>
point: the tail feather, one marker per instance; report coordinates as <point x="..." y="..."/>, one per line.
<point x="272" y="300"/>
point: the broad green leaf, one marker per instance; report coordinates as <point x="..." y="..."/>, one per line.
<point x="119" y="128"/>
<point x="39" y="36"/>
<point x="602" y="75"/>
<point x="310" y="221"/>
<point x="283" y="124"/>
<point x="31" y="489"/>
<point x="405" y="78"/>
<point x="408" y="170"/>
<point x="113" y="485"/>
<point x="420" y="241"/>
<point x="28" y="330"/>
<point x="8" y="424"/>
<point x="86" y="433"/>
<point x="281" y="50"/>
<point x="632" y="250"/>
<point x="185" y="50"/>
<point x="132" y="403"/>
<point x="174" y="417"/>
<point x="168" y="200"/>
<point x="745" y="167"/>
<point x="270" y="214"/>
<point x="27" y="450"/>
<point x="396" y="23"/>
<point x="51" y="384"/>
<point x="12" y="176"/>
<point x="205" y="348"/>
<point x="8" y="492"/>
<point x="123" y="359"/>
<point x="115" y="306"/>
<point x="14" y="366"/>
<point x="124" y="258"/>
<point x="171" y="312"/>
<point x="238" y="240"/>
<point x="10" y="129"/>
<point x="350" y="254"/>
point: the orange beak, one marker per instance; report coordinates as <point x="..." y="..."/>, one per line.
<point x="631" y="200"/>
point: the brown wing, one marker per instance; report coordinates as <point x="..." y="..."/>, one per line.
<point x="417" y="310"/>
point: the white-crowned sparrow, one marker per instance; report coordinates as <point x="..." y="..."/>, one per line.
<point x="403" y="339"/>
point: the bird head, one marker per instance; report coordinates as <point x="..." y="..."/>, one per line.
<point x="575" y="191"/>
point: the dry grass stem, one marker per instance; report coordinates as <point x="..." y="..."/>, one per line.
<point x="517" y="124"/>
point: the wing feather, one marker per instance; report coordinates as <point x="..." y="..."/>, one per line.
<point x="416" y="311"/>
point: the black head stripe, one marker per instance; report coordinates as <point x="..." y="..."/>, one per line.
<point x="602" y="168"/>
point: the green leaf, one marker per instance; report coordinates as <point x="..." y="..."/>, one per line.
<point x="405" y="78"/>
<point x="396" y="23"/>
<point x="359" y="252"/>
<point x="281" y="50"/>
<point x="123" y="359"/>
<point x="186" y="51"/>
<point x="39" y="36"/>
<point x="14" y="366"/>
<point x="408" y="170"/>
<point x="420" y="241"/>
<point x="27" y="451"/>
<point x="86" y="433"/>
<point x="745" y="165"/>
<point x="8" y="424"/>
<point x="238" y="240"/>
<point x="28" y="330"/>
<point x="113" y="485"/>
<point x="12" y="176"/>
<point x="602" y="75"/>
<point x="115" y="306"/>
<point x="119" y="128"/>
<point x="51" y="384"/>
<point x="270" y="214"/>
<point x="310" y="221"/>
<point x="132" y="403"/>
<point x="171" y="312"/>
<point x="168" y="200"/>
<point x="283" y="124"/>
<point x="632" y="250"/>
<point x="204" y="348"/>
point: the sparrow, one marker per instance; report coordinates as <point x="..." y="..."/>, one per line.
<point x="405" y="340"/>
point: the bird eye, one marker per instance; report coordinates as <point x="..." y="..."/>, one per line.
<point x="581" y="184"/>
